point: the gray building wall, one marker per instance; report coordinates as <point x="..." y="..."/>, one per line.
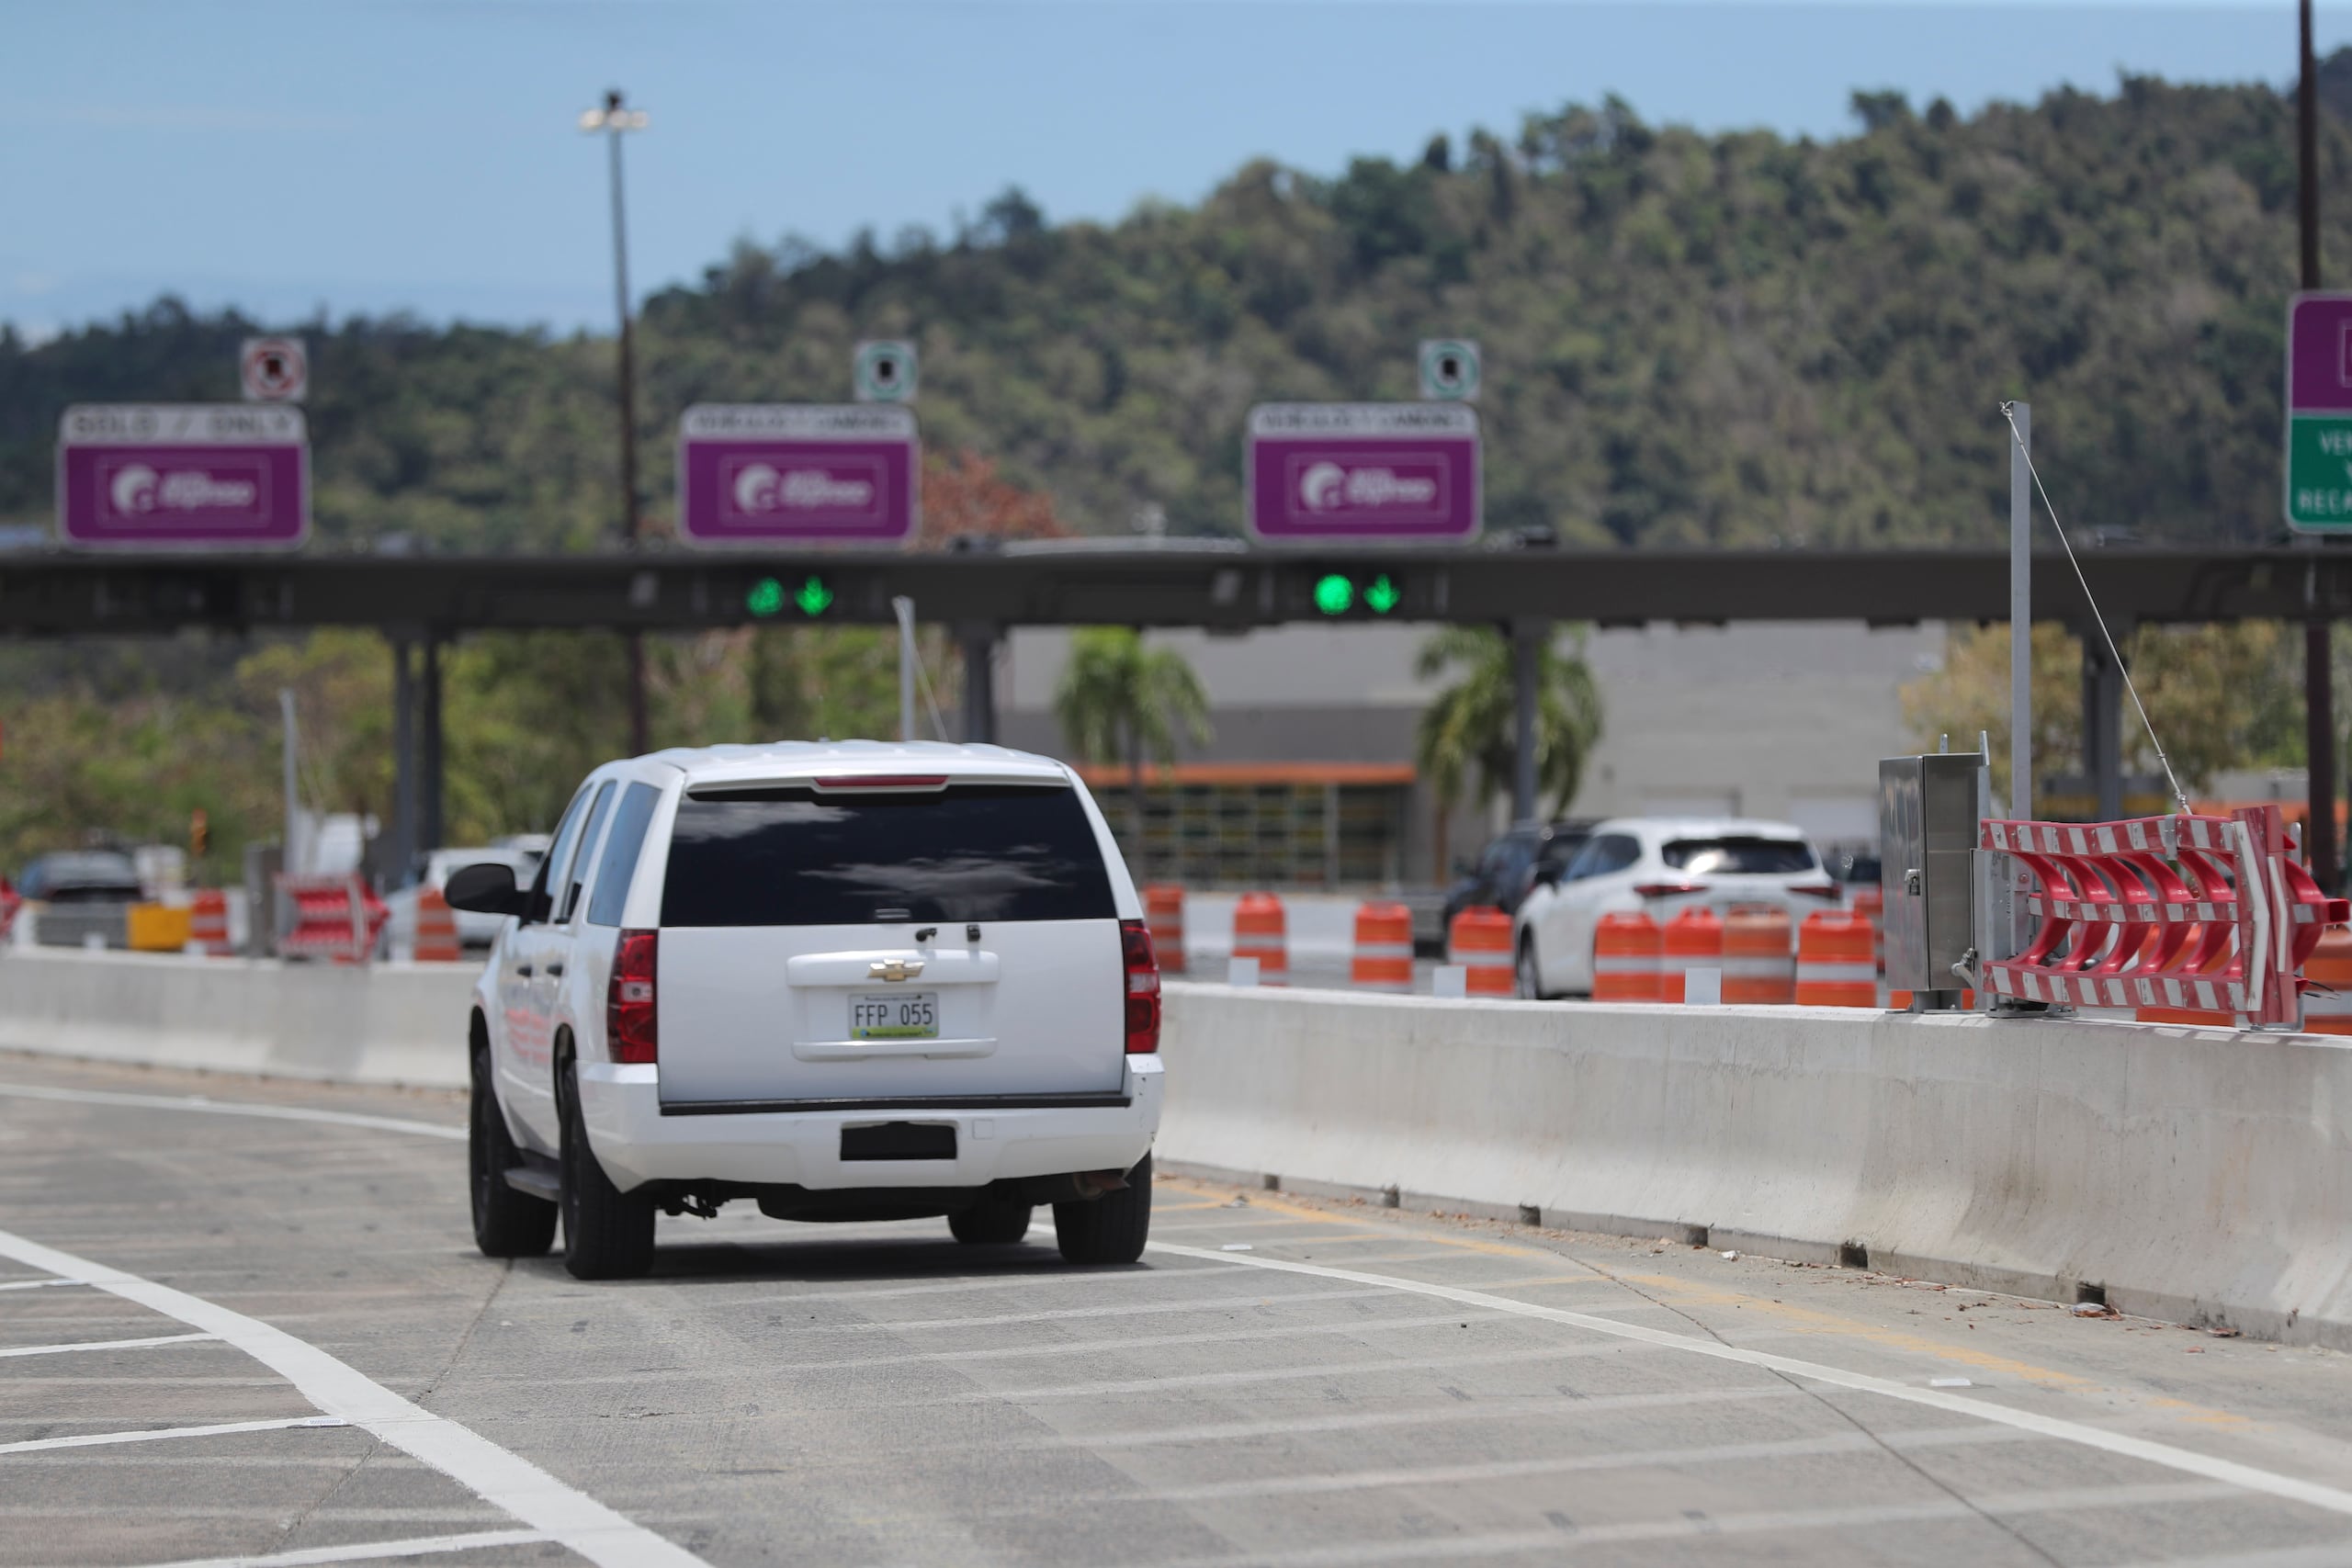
<point x="1783" y="721"/>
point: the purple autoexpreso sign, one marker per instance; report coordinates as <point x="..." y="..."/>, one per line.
<point x="797" y="474"/>
<point x="1407" y="473"/>
<point x="183" y="477"/>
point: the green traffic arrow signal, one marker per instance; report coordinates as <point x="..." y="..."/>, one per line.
<point x="814" y="598"/>
<point x="1382" y="596"/>
<point x="1334" y="593"/>
<point x="765" y="598"/>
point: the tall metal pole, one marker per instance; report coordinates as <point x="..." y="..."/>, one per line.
<point x="1528" y="639"/>
<point x="905" y="609"/>
<point x="614" y="121"/>
<point x="2021" y="616"/>
<point x="2319" y="664"/>
<point x="290" y="862"/>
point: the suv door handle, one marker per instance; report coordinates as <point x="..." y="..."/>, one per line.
<point x="523" y="970"/>
<point x="555" y="971"/>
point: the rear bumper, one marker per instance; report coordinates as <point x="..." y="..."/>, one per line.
<point x="637" y="1144"/>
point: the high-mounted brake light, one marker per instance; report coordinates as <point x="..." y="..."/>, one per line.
<point x="1828" y="890"/>
<point x="1667" y="889"/>
<point x="1143" y="988"/>
<point x="868" y="783"/>
<point x="630" y="1027"/>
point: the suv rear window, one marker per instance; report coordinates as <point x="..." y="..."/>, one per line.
<point x="787" y="856"/>
<point x="1739" y="857"/>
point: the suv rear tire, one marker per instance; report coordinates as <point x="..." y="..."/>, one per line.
<point x="991" y="1221"/>
<point x="1109" y="1229"/>
<point x="507" y="1223"/>
<point x="607" y="1233"/>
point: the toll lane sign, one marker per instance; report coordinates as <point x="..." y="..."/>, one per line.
<point x="183" y="477"/>
<point x="799" y="474"/>
<point x="1405" y="473"/>
<point x="2319" y="414"/>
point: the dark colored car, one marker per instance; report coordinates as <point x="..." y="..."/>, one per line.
<point x="81" y="895"/>
<point x="1512" y="863"/>
<point x="81" y="876"/>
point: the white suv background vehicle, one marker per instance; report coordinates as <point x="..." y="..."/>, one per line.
<point x="844" y="981"/>
<point x="1662" y="866"/>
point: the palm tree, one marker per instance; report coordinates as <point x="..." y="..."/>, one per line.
<point x="1472" y="727"/>
<point x="1118" y="701"/>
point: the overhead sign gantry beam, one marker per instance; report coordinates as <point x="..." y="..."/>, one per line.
<point x="75" y="595"/>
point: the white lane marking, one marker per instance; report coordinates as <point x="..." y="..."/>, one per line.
<point x="1360" y="1327"/>
<point x="36" y="1284"/>
<point x="104" y="1345"/>
<point x="2326" y="1554"/>
<point x="1443" y="1416"/>
<point x="1525" y="1357"/>
<point x="1635" y="1459"/>
<point x="369" y="1550"/>
<point x="505" y="1481"/>
<point x="1550" y="1542"/>
<point x="159" y="1433"/>
<point x="2187" y="1461"/>
<point x="1063" y="1315"/>
<point x="228" y="1108"/>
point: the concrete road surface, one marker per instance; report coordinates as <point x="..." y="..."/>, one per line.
<point x="243" y="1320"/>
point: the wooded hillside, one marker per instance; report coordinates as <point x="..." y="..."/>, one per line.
<point x="1731" y="339"/>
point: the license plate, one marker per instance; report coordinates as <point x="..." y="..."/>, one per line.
<point x="894" y="1015"/>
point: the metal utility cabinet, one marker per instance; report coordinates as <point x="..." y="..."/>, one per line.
<point x="1927" y="812"/>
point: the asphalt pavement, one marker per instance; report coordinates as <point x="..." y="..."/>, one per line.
<point x="242" y="1320"/>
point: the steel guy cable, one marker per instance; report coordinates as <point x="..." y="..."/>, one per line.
<point x="2008" y="412"/>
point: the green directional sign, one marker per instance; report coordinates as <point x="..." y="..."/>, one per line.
<point x="2319" y="470"/>
<point x="1382" y="596"/>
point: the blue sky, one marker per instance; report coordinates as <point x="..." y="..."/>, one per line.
<point x="286" y="155"/>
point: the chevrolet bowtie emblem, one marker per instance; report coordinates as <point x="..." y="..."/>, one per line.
<point x="894" y="969"/>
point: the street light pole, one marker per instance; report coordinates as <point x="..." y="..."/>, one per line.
<point x="2319" y="664"/>
<point x="613" y="120"/>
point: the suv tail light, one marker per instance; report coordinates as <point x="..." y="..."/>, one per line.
<point x="630" y="1032"/>
<point x="1143" y="988"/>
<point x="1667" y="889"/>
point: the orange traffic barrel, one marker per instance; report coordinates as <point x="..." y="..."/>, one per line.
<point x="2329" y="1011"/>
<point x="1258" y="933"/>
<point x="1835" y="966"/>
<point x="437" y="930"/>
<point x="1163" y="913"/>
<point x="208" y="924"/>
<point x="1870" y="903"/>
<point x="1383" y="956"/>
<point x="1692" y="940"/>
<point x="1480" y="943"/>
<point x="1759" y="966"/>
<point x="1625" y="953"/>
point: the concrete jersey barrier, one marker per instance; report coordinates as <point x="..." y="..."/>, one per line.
<point x="2195" y="1175"/>
<point x="385" y="1023"/>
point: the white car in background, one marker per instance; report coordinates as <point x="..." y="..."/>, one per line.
<point x="476" y="930"/>
<point x="1661" y="866"/>
<point x="841" y="980"/>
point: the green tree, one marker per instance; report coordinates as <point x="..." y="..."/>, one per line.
<point x="1119" y="700"/>
<point x="1471" y="729"/>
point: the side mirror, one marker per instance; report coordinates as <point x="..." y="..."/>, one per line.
<point x="1548" y="874"/>
<point x="486" y="889"/>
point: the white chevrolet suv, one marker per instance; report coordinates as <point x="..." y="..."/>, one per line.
<point x="845" y="981"/>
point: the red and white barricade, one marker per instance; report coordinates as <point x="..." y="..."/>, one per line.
<point x="337" y="918"/>
<point x="2203" y="913"/>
